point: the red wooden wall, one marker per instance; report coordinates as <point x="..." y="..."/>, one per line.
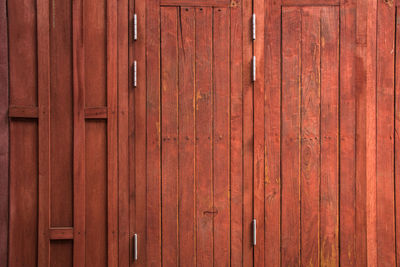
<point x="313" y="144"/>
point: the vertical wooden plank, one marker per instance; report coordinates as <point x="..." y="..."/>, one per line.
<point x="221" y="155"/>
<point x="259" y="130"/>
<point x="137" y="132"/>
<point x="23" y="222"/>
<point x="186" y="201"/>
<point x="112" y="124"/>
<point x="329" y="238"/>
<point x="385" y="217"/>
<point x="247" y="134"/>
<point x="61" y="115"/>
<point x="169" y="135"/>
<point x="44" y="131"/>
<point x="22" y="30"/>
<point x="96" y="202"/>
<point x="94" y="23"/>
<point x="123" y="128"/>
<point x="310" y="135"/>
<point x="290" y="155"/>
<point x="204" y="138"/>
<point x="347" y="134"/>
<point x="236" y="138"/>
<point x="4" y="136"/>
<point x="397" y="137"/>
<point x="79" y="133"/>
<point x="273" y="133"/>
<point x="153" y="230"/>
<point x="371" y="130"/>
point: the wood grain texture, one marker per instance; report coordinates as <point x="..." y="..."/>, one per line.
<point x="153" y="109"/>
<point x="221" y="151"/>
<point x="123" y="132"/>
<point x="385" y="154"/>
<point x="273" y="133"/>
<point x="248" y="111"/>
<point x="204" y="138"/>
<point x="329" y="137"/>
<point x="186" y="118"/>
<point x="259" y="130"/>
<point x="310" y="135"/>
<point x="137" y="133"/>
<point x="4" y="137"/>
<point x="291" y="97"/>
<point x="169" y="135"/>
<point x="236" y="137"/>
<point x="23" y="222"/>
<point x="347" y="134"/>
<point x="397" y="140"/>
<point x="78" y="56"/>
<point x="196" y="3"/>
<point x="44" y="131"/>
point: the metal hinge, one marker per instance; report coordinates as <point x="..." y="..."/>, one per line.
<point x="254" y="26"/>
<point x="254" y="232"/>
<point x="134" y="27"/>
<point x="135" y="248"/>
<point x="134" y="73"/>
<point x="254" y="68"/>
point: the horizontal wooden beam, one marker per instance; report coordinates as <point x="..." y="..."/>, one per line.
<point x="96" y="113"/>
<point x="310" y="2"/>
<point x="23" y="112"/>
<point x="197" y="3"/>
<point x="61" y="233"/>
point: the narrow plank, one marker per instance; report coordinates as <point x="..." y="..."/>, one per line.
<point x="361" y="134"/>
<point x="95" y="19"/>
<point x="22" y="38"/>
<point x="196" y="3"/>
<point x="329" y="184"/>
<point x="259" y="133"/>
<point x="397" y="140"/>
<point x="4" y="137"/>
<point x="310" y="135"/>
<point x="123" y="133"/>
<point x="371" y="57"/>
<point x="112" y="134"/>
<point x="22" y="112"/>
<point x="79" y="134"/>
<point x="153" y="172"/>
<point x="186" y="201"/>
<point x="273" y="133"/>
<point x="247" y="134"/>
<point x="290" y="151"/>
<point x="221" y="151"/>
<point x="23" y="220"/>
<point x="310" y="2"/>
<point x="43" y="58"/>
<point x="236" y="138"/>
<point x="61" y="115"/>
<point x="96" y="113"/>
<point x="385" y="198"/>
<point x="204" y="138"/>
<point x="347" y="134"/>
<point x="58" y="233"/>
<point x="96" y="202"/>
<point x="137" y="133"/>
<point x="169" y="135"/>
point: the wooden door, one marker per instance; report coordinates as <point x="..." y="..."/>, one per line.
<point x="62" y="110"/>
<point x="313" y="206"/>
<point x="190" y="136"/>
